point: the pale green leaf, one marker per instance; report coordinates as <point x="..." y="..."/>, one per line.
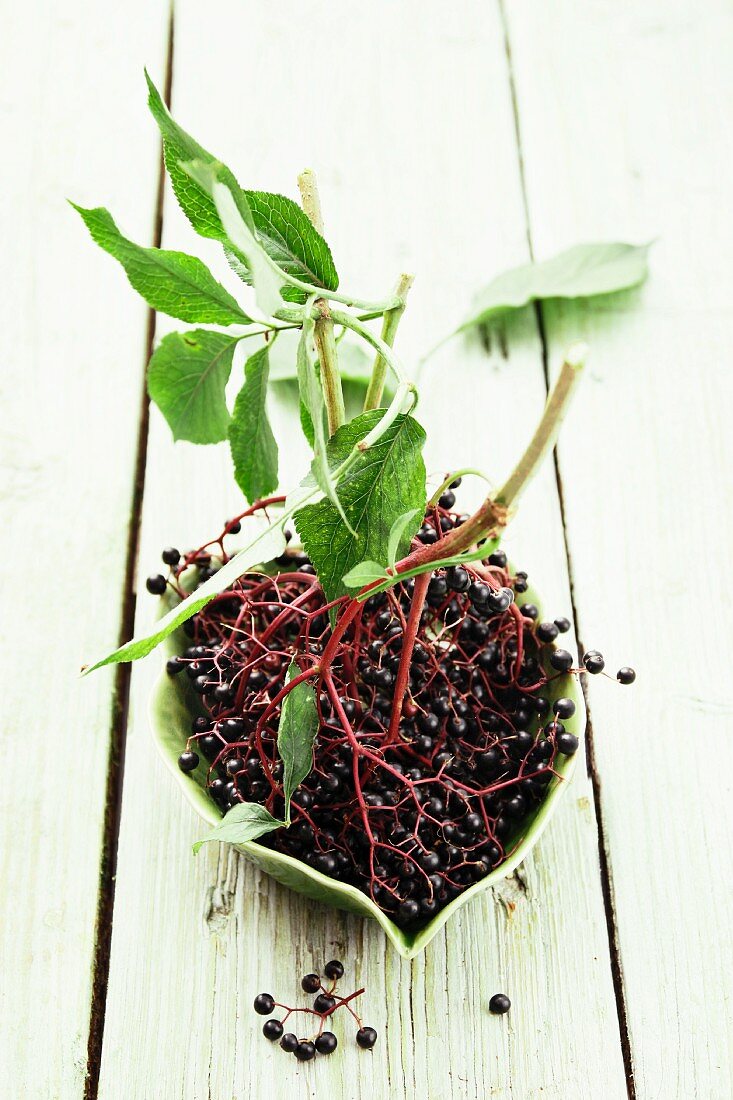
<point x="187" y="379"/>
<point x="244" y="822"/>
<point x="366" y="572"/>
<point x="296" y="733"/>
<point x="268" y="544"/>
<point x="253" y="446"/>
<point x="236" y="218"/>
<point x="171" y="282"/>
<point x="386" y="481"/>
<point x="400" y="536"/>
<point x="580" y="272"/>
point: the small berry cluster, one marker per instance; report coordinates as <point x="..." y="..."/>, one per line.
<point x="326" y="1003"/>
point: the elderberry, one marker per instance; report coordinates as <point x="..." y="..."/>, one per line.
<point x="594" y="662"/>
<point x="326" y="1043"/>
<point x="272" y="1030"/>
<point x="334" y="970"/>
<point x="564" y="708"/>
<point x="366" y="1037"/>
<point x="499" y="1004"/>
<point x="171" y="556"/>
<point x="323" y="1003"/>
<point x="567" y="743"/>
<point x="626" y="675"/>
<point x="289" y="1042"/>
<point x="188" y="761"/>
<point x="264" y="1004"/>
<point x="501" y="600"/>
<point x="305" y="1050"/>
<point x="311" y="983"/>
<point x="561" y="660"/>
<point x="156" y="584"/>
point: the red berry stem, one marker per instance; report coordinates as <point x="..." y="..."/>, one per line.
<point x="408" y="645"/>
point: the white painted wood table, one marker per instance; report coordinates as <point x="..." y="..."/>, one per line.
<point x="455" y="141"/>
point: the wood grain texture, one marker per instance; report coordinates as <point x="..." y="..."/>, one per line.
<point x="72" y="350"/>
<point x="413" y="142"/>
<point x="625" y="117"/>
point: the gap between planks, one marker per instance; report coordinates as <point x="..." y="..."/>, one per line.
<point x="123" y="675"/>
<point x="593" y="772"/>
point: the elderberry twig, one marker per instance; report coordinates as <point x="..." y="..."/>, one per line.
<point x="390" y="324"/>
<point x="333" y="394"/>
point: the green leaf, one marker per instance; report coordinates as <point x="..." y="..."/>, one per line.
<point x="385" y="482"/>
<point x="284" y="230"/>
<point x="187" y="378"/>
<point x="296" y="734"/>
<point x="253" y="446"/>
<point x="171" y="282"/>
<point x="268" y="544"/>
<point x="307" y="424"/>
<point x="245" y="821"/>
<point x="397" y="536"/>
<point x="580" y="272"/>
<point x="236" y="218"/>
<point x="290" y="239"/>
<point x="366" y="572"/>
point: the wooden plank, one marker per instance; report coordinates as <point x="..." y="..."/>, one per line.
<point x="195" y="940"/>
<point x="73" y="339"/>
<point x="623" y="111"/>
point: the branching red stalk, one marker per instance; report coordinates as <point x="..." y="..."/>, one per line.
<point x="408" y="645"/>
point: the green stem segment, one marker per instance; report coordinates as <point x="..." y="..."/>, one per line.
<point x="494" y="513"/>
<point x="390" y="323"/>
<point x="325" y="339"/>
<point x="333" y="393"/>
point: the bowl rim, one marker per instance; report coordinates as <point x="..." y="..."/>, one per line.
<point x="166" y="695"/>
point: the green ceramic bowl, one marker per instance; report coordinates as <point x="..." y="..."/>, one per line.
<point x="173" y="702"/>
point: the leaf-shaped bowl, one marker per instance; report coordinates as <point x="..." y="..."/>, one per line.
<point x="173" y="702"/>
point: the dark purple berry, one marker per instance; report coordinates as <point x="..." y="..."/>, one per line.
<point x="563" y="625"/>
<point x="171" y="556"/>
<point x="323" y="1003"/>
<point x="499" y="1004"/>
<point x="547" y="632"/>
<point x="334" y="970"/>
<point x="289" y="1042"/>
<point x="501" y="600"/>
<point x="305" y="1050"/>
<point x="626" y="675"/>
<point x="326" y="1043"/>
<point x="366" y="1037"/>
<point x="156" y="584"/>
<point x="567" y="743"/>
<point x="311" y="983"/>
<point x="272" y="1030"/>
<point x="564" y="708"/>
<point x="561" y="660"/>
<point x="594" y="662"/>
<point x="188" y="761"/>
<point x="264" y="1004"/>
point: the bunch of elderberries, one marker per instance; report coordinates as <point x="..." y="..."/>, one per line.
<point x="326" y="1003"/>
